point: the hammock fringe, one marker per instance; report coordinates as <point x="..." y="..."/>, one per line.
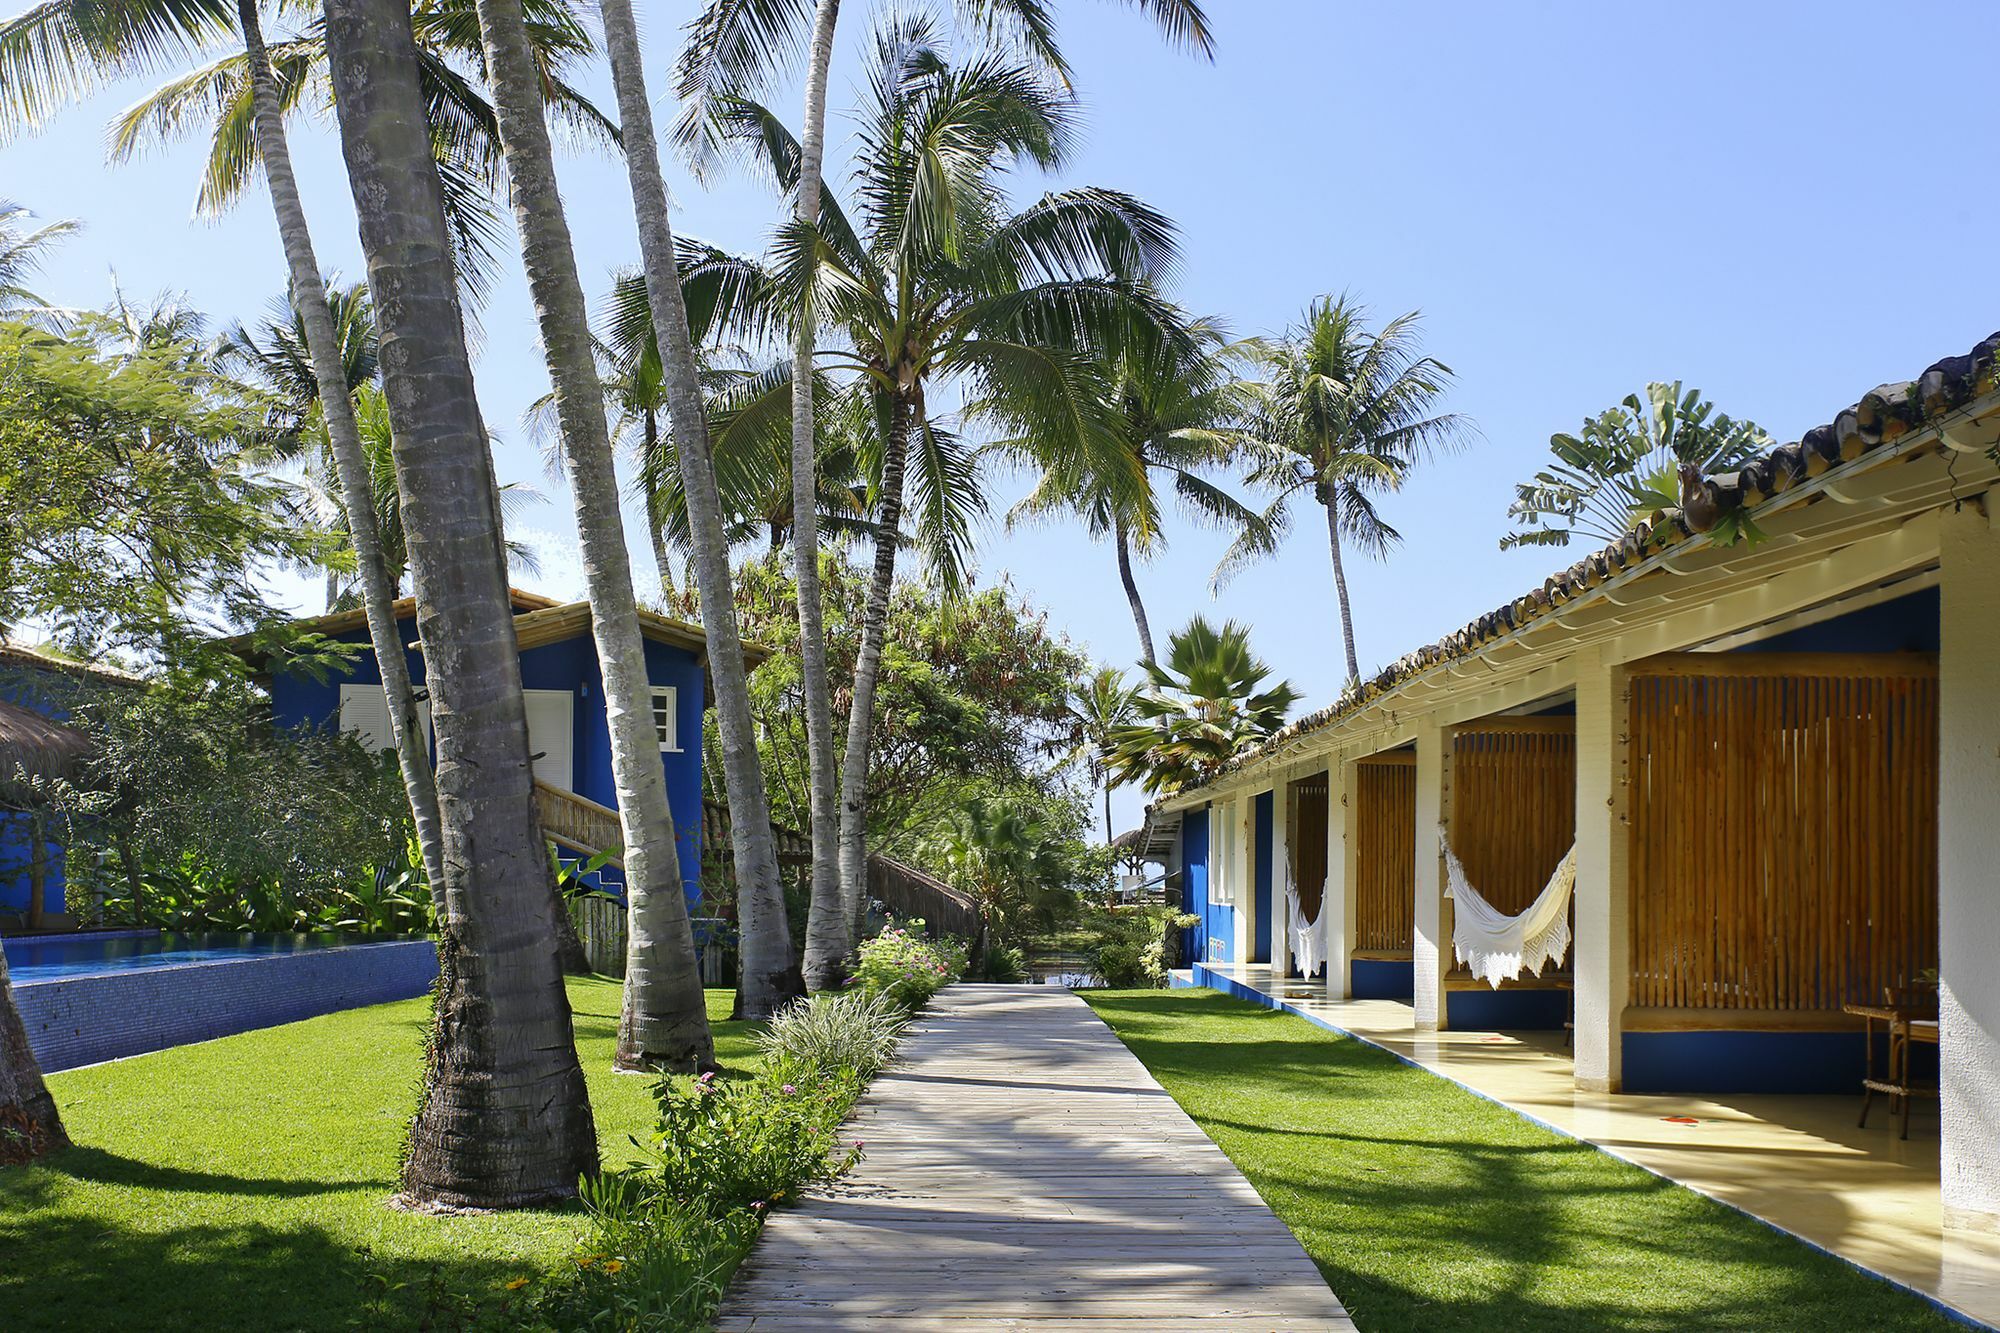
<point x="1497" y="947"/>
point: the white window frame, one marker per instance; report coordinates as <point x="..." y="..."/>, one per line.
<point x="667" y="717"/>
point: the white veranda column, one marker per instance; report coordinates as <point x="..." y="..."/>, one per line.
<point x="1337" y="907"/>
<point x="1969" y="864"/>
<point x="1601" y="949"/>
<point x="1431" y="942"/>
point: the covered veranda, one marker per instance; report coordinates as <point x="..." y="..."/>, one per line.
<point x="1797" y="1162"/>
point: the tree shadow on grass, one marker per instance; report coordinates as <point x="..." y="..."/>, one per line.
<point x="70" y="1272"/>
<point x="109" y="1168"/>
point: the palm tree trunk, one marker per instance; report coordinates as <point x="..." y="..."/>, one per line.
<point x="867" y="669"/>
<point x="30" y="1124"/>
<point x="656" y="532"/>
<point x="1123" y="540"/>
<point x="665" y="1019"/>
<point x="770" y="970"/>
<point x="828" y="937"/>
<point x="503" y="1120"/>
<point x="1340" y="592"/>
<point x="350" y="461"/>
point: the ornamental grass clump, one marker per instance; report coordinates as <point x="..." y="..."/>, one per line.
<point x="854" y="1031"/>
<point x="907" y="967"/>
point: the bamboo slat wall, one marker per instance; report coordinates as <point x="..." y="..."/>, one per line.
<point x="1306" y="840"/>
<point x="1513" y="804"/>
<point x="1783" y="829"/>
<point x="576" y="822"/>
<point x="1385" y="830"/>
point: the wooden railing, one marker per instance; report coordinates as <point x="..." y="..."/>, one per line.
<point x="1783" y="829"/>
<point x="1385" y="829"/>
<point x="577" y="823"/>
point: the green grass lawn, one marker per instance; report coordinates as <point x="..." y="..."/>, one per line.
<point x="243" y="1183"/>
<point x="1429" y="1208"/>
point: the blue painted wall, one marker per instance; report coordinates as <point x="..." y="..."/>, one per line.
<point x="1212" y="936"/>
<point x="1264" y="832"/>
<point x="1382" y="979"/>
<point x="1908" y="624"/>
<point x="1829" y="1062"/>
<point x="1492" y="1010"/>
<point x="571" y="664"/>
<point x="41" y="692"/>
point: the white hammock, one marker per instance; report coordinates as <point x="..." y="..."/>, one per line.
<point x="1308" y="940"/>
<point x="1497" y="947"/>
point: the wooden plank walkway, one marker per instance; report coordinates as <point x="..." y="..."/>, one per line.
<point x="1024" y="1171"/>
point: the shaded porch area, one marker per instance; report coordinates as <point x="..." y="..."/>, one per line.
<point x="1796" y="1162"/>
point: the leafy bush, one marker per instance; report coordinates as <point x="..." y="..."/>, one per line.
<point x="1004" y="963"/>
<point x="902" y="964"/>
<point x="729" y="1145"/>
<point x="648" y="1262"/>
<point x="1130" y="946"/>
<point x="1123" y="965"/>
<point x="854" y="1032"/>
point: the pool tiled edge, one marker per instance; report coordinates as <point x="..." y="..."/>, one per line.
<point x="86" y="1020"/>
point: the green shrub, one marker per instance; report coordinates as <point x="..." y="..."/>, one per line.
<point x="902" y="964"/>
<point x="853" y="1032"/>
<point x="728" y="1145"/>
<point x="647" y="1263"/>
<point x="1004" y="963"/>
<point x="1123" y="965"/>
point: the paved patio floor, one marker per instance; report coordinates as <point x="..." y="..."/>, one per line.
<point x="1799" y="1163"/>
<point x="1024" y="1171"/>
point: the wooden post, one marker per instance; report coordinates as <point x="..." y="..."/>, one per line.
<point x="1601" y="950"/>
<point x="1431" y="940"/>
<point x="1969" y="849"/>
<point x="1337" y="908"/>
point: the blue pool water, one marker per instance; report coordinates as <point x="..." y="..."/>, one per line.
<point x="61" y="959"/>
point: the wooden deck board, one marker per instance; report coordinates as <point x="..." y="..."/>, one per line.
<point x="1024" y="1171"/>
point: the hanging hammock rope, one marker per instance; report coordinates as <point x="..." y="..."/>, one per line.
<point x="1309" y="939"/>
<point x="1498" y="947"/>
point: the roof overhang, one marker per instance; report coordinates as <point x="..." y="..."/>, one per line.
<point x="1863" y="530"/>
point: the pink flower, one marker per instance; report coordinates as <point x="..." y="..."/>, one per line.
<point x="788" y="1089"/>
<point x="707" y="1078"/>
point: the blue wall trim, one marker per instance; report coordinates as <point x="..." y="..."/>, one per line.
<point x="1382" y="979"/>
<point x="83" y="1020"/>
<point x="1507" y="1010"/>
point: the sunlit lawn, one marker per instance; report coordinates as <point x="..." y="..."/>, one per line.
<point x="1428" y="1208"/>
<point x="243" y="1183"/>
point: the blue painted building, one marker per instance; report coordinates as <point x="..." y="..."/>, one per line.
<point x="35" y="693"/>
<point x="564" y="693"/>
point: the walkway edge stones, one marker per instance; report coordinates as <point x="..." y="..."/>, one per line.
<point x="1023" y="1170"/>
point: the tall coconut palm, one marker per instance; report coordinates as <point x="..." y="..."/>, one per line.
<point x="1180" y="411"/>
<point x="770" y="974"/>
<point x="22" y="250"/>
<point x="1348" y="415"/>
<point x="735" y="48"/>
<point x="939" y="285"/>
<point x="665" y="1018"/>
<point x="504" y="1118"/>
<point x="1100" y="705"/>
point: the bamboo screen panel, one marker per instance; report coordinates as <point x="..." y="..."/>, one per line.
<point x="1783" y="831"/>
<point x="1306" y="841"/>
<point x="1513" y="805"/>
<point x="1385" y="828"/>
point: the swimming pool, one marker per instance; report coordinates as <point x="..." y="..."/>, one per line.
<point x="104" y="996"/>
<point x="57" y="958"/>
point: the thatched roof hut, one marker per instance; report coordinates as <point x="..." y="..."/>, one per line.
<point x="37" y="749"/>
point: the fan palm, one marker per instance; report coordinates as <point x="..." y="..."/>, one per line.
<point x="1207" y="704"/>
<point x="939" y="285"/>
<point x="735" y="51"/>
<point x="1625" y="464"/>
<point x="1348" y="414"/>
<point x="1180" y="412"/>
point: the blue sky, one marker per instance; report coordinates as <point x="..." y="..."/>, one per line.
<point x="1782" y="204"/>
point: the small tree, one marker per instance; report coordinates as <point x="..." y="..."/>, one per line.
<point x="1624" y="465"/>
<point x="1207" y="705"/>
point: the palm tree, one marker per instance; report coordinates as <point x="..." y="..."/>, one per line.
<point x="1180" y="411"/>
<point x="504" y="1118"/>
<point x="1101" y="704"/>
<point x="21" y="253"/>
<point x="735" y="48"/>
<point x="33" y="1125"/>
<point x="1348" y="415"/>
<point x="1207" y="704"/>
<point x="1625" y="465"/>
<point x="770" y="974"/>
<point x="665" y="1019"/>
<point x="940" y="285"/>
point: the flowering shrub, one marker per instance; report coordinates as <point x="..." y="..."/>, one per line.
<point x="902" y="964"/>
